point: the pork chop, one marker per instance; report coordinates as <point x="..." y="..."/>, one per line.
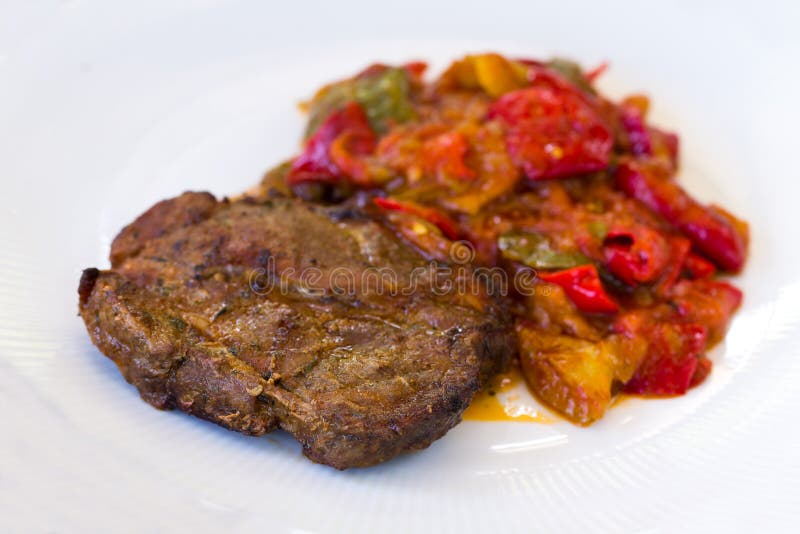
<point x="283" y="314"/>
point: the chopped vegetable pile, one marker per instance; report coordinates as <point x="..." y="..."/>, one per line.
<point x="538" y="171"/>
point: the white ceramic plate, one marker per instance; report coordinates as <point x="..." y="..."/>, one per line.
<point x="105" y="109"/>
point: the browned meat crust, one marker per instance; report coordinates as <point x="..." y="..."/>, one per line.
<point x="196" y="317"/>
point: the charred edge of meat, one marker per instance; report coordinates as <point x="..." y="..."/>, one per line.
<point x="86" y="285"/>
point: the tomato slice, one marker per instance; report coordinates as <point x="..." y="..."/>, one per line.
<point x="552" y="132"/>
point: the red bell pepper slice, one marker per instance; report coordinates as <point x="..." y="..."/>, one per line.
<point x="416" y="69"/>
<point x="712" y="234"/>
<point x="636" y="131"/>
<point x="710" y="303"/>
<point x="664" y="145"/>
<point x="552" y="132"/>
<point x="672" y="359"/>
<point x="432" y="215"/>
<point x="704" y="366"/>
<point x="698" y="267"/>
<point x="583" y="287"/>
<point x="636" y="255"/>
<point x="596" y="72"/>
<point x="331" y="153"/>
<point x="679" y="250"/>
<point x="641" y="139"/>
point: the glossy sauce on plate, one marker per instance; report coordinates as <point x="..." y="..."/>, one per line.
<point x="505" y="399"/>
